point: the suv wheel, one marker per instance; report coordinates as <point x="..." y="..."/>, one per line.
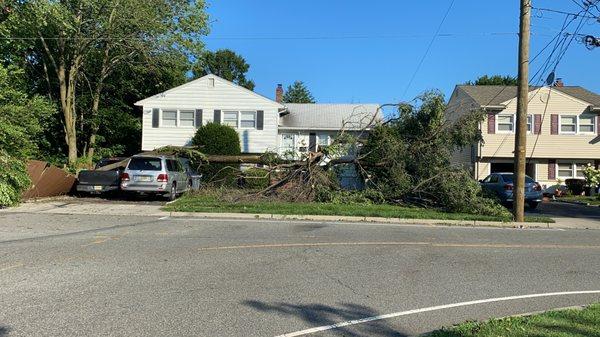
<point x="173" y="192"/>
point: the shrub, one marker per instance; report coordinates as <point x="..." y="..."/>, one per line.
<point x="256" y="178"/>
<point x="575" y="186"/>
<point x="217" y="139"/>
<point x="14" y="180"/>
<point x="219" y="174"/>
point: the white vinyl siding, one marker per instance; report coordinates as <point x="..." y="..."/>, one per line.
<point x="223" y="96"/>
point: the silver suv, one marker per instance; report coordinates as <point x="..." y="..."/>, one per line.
<point x="162" y="175"/>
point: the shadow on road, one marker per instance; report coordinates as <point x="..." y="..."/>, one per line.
<point x="4" y="330"/>
<point x="564" y="210"/>
<point x="319" y="315"/>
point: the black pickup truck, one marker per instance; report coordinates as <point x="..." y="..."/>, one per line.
<point x="99" y="180"/>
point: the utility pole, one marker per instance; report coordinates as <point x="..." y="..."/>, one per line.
<point x="522" y="101"/>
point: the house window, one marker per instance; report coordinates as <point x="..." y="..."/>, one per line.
<point x="587" y="124"/>
<point x="506" y="123"/>
<point x="186" y="118"/>
<point x="230" y="118"/>
<point x="568" y="124"/>
<point x="169" y="118"/>
<point x="323" y="140"/>
<point x="571" y="170"/>
<point x="248" y="120"/>
<point x="529" y="123"/>
<point x="565" y="170"/>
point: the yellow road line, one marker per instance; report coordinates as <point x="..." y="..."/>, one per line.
<point x="401" y="243"/>
<point x="12" y="267"/>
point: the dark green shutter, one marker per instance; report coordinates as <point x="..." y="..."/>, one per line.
<point x="217" y="117"/>
<point x="198" y="118"/>
<point x="312" y="142"/>
<point x="155" y="113"/>
<point x="260" y="120"/>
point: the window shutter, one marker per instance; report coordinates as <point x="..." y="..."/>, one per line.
<point x="554" y="124"/>
<point x="597" y="163"/>
<point x="551" y="169"/>
<point x="597" y="118"/>
<point x="537" y="124"/>
<point x="260" y="120"/>
<point x="198" y="118"/>
<point x="312" y="142"/>
<point x="155" y="113"/>
<point x="217" y="117"/>
<point x="491" y="123"/>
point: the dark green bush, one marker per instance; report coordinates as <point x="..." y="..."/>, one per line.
<point x="14" y="180"/>
<point x="575" y="186"/>
<point x="219" y="174"/>
<point x="217" y="139"/>
<point x="256" y="178"/>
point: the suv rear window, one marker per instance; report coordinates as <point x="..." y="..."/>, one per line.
<point x="508" y="178"/>
<point x="145" y="164"/>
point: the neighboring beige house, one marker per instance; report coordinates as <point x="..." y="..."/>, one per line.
<point x="563" y="124"/>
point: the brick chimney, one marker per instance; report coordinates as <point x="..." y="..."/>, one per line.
<point x="279" y="93"/>
<point x="559" y="82"/>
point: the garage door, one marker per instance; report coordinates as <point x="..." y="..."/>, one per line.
<point x="509" y="167"/>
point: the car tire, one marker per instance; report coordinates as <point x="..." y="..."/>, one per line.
<point x="173" y="192"/>
<point x="533" y="204"/>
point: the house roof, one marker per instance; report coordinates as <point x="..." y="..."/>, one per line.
<point x="330" y="116"/>
<point x="192" y="82"/>
<point x="486" y="95"/>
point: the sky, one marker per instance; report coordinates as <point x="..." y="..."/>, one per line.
<point x="368" y="51"/>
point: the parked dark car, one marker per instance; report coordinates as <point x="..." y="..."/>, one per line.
<point x="100" y="181"/>
<point x="502" y="185"/>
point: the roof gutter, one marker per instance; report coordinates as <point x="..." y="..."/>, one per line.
<point x="594" y="108"/>
<point x="493" y="107"/>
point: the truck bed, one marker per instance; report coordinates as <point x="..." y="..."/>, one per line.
<point x="95" y="181"/>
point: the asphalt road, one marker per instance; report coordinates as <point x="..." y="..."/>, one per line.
<point x="64" y="275"/>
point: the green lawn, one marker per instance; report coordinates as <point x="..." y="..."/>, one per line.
<point x="564" y="323"/>
<point x="212" y="204"/>
<point x="581" y="198"/>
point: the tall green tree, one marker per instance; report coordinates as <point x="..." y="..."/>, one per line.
<point x="494" y="80"/>
<point x="298" y="93"/>
<point x="224" y="63"/>
<point x="79" y="43"/>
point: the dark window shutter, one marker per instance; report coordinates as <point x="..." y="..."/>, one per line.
<point x="260" y="120"/>
<point x="597" y="163"/>
<point x="597" y="124"/>
<point x="312" y="142"/>
<point x="491" y="123"/>
<point x="537" y="124"/>
<point x="554" y="124"/>
<point x="217" y="117"/>
<point x="198" y="118"/>
<point x="155" y="113"/>
<point x="551" y="169"/>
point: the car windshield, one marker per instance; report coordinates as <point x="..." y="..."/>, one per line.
<point x="508" y="178"/>
<point x="145" y="164"/>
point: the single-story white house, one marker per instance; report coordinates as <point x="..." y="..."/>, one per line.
<point x="172" y="117"/>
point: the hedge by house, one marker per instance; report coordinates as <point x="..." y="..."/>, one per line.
<point x="215" y="138"/>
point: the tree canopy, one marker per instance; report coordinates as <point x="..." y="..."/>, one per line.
<point x="494" y="80"/>
<point x="298" y="93"/>
<point x="76" y="45"/>
<point x="224" y="63"/>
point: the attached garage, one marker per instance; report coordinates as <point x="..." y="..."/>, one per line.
<point x="496" y="167"/>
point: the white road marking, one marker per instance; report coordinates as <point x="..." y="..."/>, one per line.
<point x="439" y="307"/>
<point x="364" y="223"/>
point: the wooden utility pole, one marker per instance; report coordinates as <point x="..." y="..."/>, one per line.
<point x="521" y="124"/>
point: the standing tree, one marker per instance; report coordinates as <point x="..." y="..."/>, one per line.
<point x="494" y="80"/>
<point x="78" y="44"/>
<point x="224" y="63"/>
<point x="298" y="93"/>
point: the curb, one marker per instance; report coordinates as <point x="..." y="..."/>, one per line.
<point x="335" y="218"/>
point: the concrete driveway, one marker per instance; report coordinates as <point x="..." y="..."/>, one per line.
<point x="101" y="275"/>
<point x="571" y="215"/>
